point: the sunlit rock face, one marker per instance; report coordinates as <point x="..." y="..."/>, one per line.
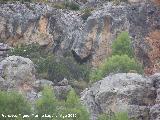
<point x="124" y="92"/>
<point x="89" y="40"/>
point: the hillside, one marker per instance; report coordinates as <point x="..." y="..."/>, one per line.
<point x="105" y="51"/>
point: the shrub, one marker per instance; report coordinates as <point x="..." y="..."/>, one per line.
<point x="57" y="71"/>
<point x="60" y="6"/>
<point x="12" y="103"/>
<point x="67" y="68"/>
<point x="116" y="116"/>
<point x="28" y="51"/>
<point x="73" y="105"/>
<point x="67" y="5"/>
<point x="122" y="45"/>
<point x="50" y="105"/>
<point x="115" y="64"/>
<point x="86" y="13"/>
<point x="122" y="59"/>
<point x="51" y="67"/>
<point x="47" y="103"/>
<point x="72" y="6"/>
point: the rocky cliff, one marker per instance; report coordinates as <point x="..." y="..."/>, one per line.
<point x="89" y="40"/>
<point x="132" y="93"/>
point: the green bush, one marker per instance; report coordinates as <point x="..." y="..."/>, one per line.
<point x="122" y="59"/>
<point x="50" y="105"/>
<point x="57" y="71"/>
<point x="72" y="6"/>
<point x="86" y="13"/>
<point x="29" y="51"/>
<point x="47" y="103"/>
<point x="51" y="67"/>
<point x="67" y="68"/>
<point x="116" y="116"/>
<point x="73" y="105"/>
<point x="116" y="64"/>
<point x="59" y="6"/>
<point x="12" y="103"/>
<point x="67" y="5"/>
<point x="122" y="45"/>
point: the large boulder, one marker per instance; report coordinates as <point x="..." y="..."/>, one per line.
<point x="155" y="109"/>
<point x="122" y="92"/>
<point x="18" y="73"/>
<point x="18" y="69"/>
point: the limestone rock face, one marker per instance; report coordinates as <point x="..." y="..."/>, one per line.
<point x="17" y="69"/>
<point x="155" y="109"/>
<point x="91" y="39"/>
<point x="129" y="92"/>
<point x="18" y="73"/>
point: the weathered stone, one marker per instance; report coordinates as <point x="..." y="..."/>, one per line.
<point x="121" y="92"/>
<point x="18" y="74"/>
<point x="61" y="92"/>
<point x="64" y="82"/>
<point x="18" y="69"/>
<point x="155" y="112"/>
<point x="42" y="83"/>
<point x="89" y="40"/>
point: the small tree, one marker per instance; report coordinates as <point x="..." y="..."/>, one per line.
<point x="115" y="64"/>
<point x="73" y="105"/>
<point x="122" y="45"/>
<point x="12" y="103"/>
<point x="47" y="104"/>
<point x="116" y="116"/>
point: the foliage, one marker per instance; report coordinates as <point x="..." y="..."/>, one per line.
<point x="122" y="59"/>
<point x="57" y="71"/>
<point x="67" y="68"/>
<point x="47" y="103"/>
<point x="12" y="103"/>
<point x="59" y="6"/>
<point x="50" y="105"/>
<point x="86" y="13"/>
<point x="72" y="6"/>
<point x="29" y="51"/>
<point x="122" y="45"/>
<point x="73" y="105"/>
<point x="67" y="5"/>
<point x="51" y="67"/>
<point x="115" y="64"/>
<point x="116" y="116"/>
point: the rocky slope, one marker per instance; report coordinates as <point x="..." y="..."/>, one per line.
<point x="90" y="40"/>
<point x="128" y="92"/>
<point x="19" y="74"/>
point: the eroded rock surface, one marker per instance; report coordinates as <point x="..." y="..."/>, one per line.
<point x="89" y="40"/>
<point x="18" y="73"/>
<point x="129" y="92"/>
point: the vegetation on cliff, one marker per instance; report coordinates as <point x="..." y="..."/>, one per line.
<point x="51" y="67"/>
<point x="122" y="59"/>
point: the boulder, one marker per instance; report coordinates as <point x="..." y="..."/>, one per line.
<point x="122" y="92"/>
<point x="155" y="112"/>
<point x="18" y="70"/>
<point x="155" y="109"/>
<point x="18" y="73"/>
<point x="43" y="82"/>
<point x="61" y="92"/>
